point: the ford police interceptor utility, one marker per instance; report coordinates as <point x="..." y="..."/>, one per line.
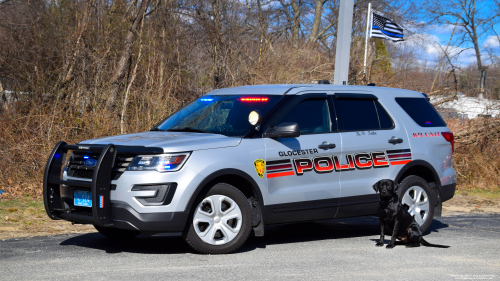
<point x="238" y="159"/>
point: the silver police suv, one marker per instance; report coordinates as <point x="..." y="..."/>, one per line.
<point x="238" y="159"/>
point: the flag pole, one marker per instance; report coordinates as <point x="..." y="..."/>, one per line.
<point x="368" y="17"/>
<point x="343" y="48"/>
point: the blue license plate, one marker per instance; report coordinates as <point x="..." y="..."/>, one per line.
<point x="82" y="198"/>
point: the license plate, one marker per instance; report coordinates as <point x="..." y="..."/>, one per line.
<point x="82" y="198"/>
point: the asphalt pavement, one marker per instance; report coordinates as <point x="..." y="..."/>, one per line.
<point x="323" y="250"/>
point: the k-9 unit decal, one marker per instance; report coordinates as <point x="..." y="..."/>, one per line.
<point x="327" y="164"/>
<point x="426" y="134"/>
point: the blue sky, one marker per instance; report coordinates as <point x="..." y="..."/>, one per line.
<point x="434" y="37"/>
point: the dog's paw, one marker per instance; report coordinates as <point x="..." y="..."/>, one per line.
<point x="390" y="246"/>
<point x="380" y="244"/>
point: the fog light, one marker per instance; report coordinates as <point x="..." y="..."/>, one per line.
<point x="160" y="195"/>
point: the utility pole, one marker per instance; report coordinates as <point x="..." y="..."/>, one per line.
<point x="343" y="51"/>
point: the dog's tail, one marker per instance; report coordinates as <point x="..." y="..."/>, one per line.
<point x="427" y="244"/>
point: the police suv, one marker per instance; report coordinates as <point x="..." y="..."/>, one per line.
<point x="238" y="159"/>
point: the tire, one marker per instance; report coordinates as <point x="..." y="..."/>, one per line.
<point x="416" y="195"/>
<point x="220" y="221"/>
<point x="116" y="233"/>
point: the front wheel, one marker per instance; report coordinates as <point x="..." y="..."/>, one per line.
<point x="417" y="197"/>
<point x="221" y="221"/>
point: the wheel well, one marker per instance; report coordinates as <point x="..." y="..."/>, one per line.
<point x="421" y="171"/>
<point x="238" y="182"/>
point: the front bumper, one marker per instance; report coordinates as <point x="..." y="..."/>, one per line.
<point x="125" y="217"/>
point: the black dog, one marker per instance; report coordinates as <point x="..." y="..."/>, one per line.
<point x="396" y="219"/>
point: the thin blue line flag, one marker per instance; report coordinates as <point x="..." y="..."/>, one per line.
<point x="386" y="29"/>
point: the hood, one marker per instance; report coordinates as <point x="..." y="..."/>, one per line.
<point x="170" y="141"/>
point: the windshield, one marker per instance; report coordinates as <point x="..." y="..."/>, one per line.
<point x="227" y="115"/>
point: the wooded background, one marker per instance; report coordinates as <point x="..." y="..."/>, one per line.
<point x="75" y="70"/>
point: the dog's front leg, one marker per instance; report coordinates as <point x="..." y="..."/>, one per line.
<point x="394" y="234"/>
<point x="381" y="242"/>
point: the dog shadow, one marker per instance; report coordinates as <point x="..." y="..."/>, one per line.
<point x="436" y="225"/>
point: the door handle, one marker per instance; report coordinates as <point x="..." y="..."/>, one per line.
<point x="326" y="145"/>
<point x="395" y="140"/>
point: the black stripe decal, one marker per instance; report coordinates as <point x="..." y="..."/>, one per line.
<point x="279" y="171"/>
<point x="398" y="159"/>
<point x="398" y="151"/>
<point x="287" y="161"/>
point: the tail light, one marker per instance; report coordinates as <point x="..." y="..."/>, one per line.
<point x="449" y="137"/>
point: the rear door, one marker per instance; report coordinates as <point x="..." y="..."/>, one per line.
<point x="374" y="147"/>
<point x="302" y="183"/>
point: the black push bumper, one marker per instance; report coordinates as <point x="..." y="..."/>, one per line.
<point x="58" y="193"/>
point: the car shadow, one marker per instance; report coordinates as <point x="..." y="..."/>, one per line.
<point x="274" y="235"/>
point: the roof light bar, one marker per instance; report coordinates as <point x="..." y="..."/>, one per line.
<point x="254" y="99"/>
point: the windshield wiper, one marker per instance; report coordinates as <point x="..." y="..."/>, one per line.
<point x="188" y="129"/>
<point x="156" y="129"/>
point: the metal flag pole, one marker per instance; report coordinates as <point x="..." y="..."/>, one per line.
<point x="343" y="51"/>
<point x="368" y="19"/>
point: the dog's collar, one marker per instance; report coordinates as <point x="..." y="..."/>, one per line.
<point x="384" y="201"/>
<point x="387" y="200"/>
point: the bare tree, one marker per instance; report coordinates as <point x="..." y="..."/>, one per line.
<point x="474" y="17"/>
<point x="137" y="11"/>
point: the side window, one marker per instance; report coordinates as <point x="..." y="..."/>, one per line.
<point x="362" y="115"/>
<point x="312" y="116"/>
<point x="383" y="116"/>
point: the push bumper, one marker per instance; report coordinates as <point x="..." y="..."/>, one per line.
<point x="58" y="194"/>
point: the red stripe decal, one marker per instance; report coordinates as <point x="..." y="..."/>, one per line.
<point x="279" y="167"/>
<point x="399" y="155"/>
<point x="400" y="162"/>
<point x="275" y="175"/>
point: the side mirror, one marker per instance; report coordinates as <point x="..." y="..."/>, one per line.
<point x="283" y="130"/>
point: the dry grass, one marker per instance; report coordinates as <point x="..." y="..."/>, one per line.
<point x="476" y="158"/>
<point x="27" y="218"/>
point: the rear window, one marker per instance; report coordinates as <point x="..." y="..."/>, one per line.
<point x="362" y="115"/>
<point x="421" y="111"/>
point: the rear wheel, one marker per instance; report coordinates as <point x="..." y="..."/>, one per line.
<point x="116" y="233"/>
<point x="417" y="197"/>
<point x="221" y="221"/>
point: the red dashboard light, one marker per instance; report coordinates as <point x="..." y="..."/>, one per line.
<point x="254" y="99"/>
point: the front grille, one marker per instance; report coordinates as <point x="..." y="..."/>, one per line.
<point x="77" y="168"/>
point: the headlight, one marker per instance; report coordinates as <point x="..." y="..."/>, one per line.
<point x="161" y="163"/>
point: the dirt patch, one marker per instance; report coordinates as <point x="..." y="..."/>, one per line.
<point x="471" y="203"/>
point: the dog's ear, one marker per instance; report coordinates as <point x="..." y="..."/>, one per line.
<point x="376" y="186"/>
